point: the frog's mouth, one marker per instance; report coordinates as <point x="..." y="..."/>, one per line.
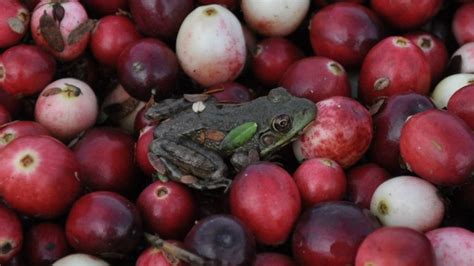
<point x="302" y="121"/>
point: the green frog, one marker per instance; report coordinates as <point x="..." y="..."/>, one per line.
<point x="196" y="140"/>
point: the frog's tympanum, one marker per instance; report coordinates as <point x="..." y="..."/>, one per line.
<point x="195" y="140"/>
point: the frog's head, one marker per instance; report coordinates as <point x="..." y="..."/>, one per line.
<point x="286" y="118"/>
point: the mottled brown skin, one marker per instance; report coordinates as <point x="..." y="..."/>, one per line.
<point x="188" y="144"/>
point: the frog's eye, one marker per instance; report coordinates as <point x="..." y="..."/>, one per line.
<point x="282" y="123"/>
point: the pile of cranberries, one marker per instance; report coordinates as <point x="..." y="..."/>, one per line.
<point x="384" y="175"/>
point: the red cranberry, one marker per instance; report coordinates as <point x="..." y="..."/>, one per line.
<point x="463" y="24"/>
<point x="330" y="234"/>
<point x="271" y="59"/>
<point x="160" y="18"/>
<point x="435" y="52"/>
<point x="106" y="160"/>
<point x="406" y="14"/>
<point x="362" y="181"/>
<point x="168" y="209"/>
<point x="461" y="105"/>
<point x="345" y="32"/>
<point x="316" y="78"/>
<point x="408" y="70"/>
<point x="26" y="70"/>
<point x="11" y="234"/>
<point x="111" y="35"/>
<point x="45" y="243"/>
<point x="145" y="65"/>
<point x="14" y="21"/>
<point x="103" y="223"/>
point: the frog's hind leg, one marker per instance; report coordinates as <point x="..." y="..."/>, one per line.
<point x="185" y="159"/>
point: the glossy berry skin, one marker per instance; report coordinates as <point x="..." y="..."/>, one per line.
<point x="110" y="37"/>
<point x="160" y="18"/>
<point x="388" y="123"/>
<point x="452" y="246"/>
<point x="67" y="107"/>
<point x="223" y="239"/>
<point x="342" y="131"/>
<point x="210" y="45"/>
<point x="444" y="153"/>
<point x="36" y="165"/>
<point x="345" y="32"/>
<point x="435" y="51"/>
<point x="26" y="70"/>
<point x="45" y="243"/>
<point x="167" y="208"/>
<point x="408" y="201"/>
<point x="106" y="160"/>
<point x="141" y="151"/>
<point x="103" y="223"/>
<point x="460" y="104"/>
<point x="261" y="187"/>
<point x="11" y="234"/>
<point x="18" y="128"/>
<point x="330" y="234"/>
<point x="406" y="14"/>
<point x="463" y="24"/>
<point x="272" y="57"/>
<point x="362" y="181"/>
<point x="316" y="78"/>
<point x="320" y="180"/>
<point x="408" y="70"/>
<point x="145" y="65"/>
<point x="393" y="246"/>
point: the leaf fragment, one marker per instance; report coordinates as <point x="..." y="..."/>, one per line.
<point x="239" y="135"/>
<point x="51" y="92"/>
<point x="78" y="33"/>
<point x="50" y="31"/>
<point x="16" y="25"/>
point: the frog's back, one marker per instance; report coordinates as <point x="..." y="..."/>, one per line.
<point x="222" y="118"/>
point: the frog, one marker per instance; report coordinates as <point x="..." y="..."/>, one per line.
<point x="198" y="142"/>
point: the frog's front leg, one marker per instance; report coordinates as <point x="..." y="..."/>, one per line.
<point x="185" y="159"/>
